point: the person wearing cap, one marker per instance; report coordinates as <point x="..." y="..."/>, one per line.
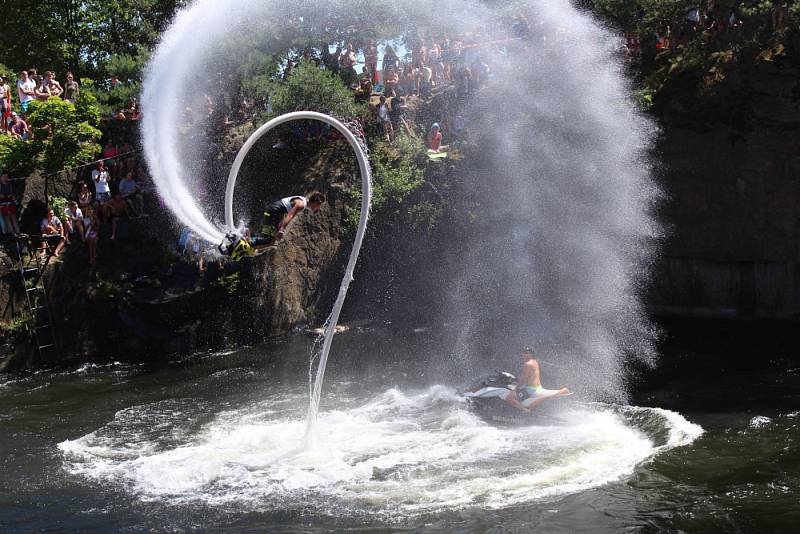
<point x="529" y="392"/>
<point x="435" y="138"/>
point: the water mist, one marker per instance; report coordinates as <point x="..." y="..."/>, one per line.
<point x="563" y="184"/>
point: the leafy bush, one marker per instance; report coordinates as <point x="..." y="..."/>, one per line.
<point x="65" y="136"/>
<point x="310" y="88"/>
<point x="59" y="206"/>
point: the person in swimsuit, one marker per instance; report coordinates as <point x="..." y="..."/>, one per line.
<point x="529" y="392"/>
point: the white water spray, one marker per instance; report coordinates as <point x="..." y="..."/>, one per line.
<point x="315" y="390"/>
<point x="562" y="191"/>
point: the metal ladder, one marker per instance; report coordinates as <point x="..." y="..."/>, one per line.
<point x="32" y="272"/>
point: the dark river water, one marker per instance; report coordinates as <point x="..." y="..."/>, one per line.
<point x="709" y="443"/>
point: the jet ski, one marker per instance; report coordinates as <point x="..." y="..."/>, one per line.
<point x="486" y="398"/>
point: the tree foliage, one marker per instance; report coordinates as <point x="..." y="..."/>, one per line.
<point x="64" y="136"/>
<point x="311" y="88"/>
<point x="81" y="35"/>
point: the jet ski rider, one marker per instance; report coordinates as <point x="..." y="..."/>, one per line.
<point x="529" y="392"/>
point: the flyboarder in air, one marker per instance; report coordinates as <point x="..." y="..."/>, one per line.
<point x="279" y="214"/>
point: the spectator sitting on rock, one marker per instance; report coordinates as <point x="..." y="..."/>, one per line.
<point x="131" y="194"/>
<point x="52" y="84"/>
<point x="435" y="139"/>
<point x="19" y="128"/>
<point x="116" y="209"/>
<point x="71" y="89"/>
<point x="385" y="119"/>
<point x="91" y="232"/>
<point x="84" y="196"/>
<point x="74" y="219"/>
<point x="26" y="90"/>
<point x="364" y="89"/>
<point x="52" y="230"/>
<point x="101" y="183"/>
<point x="8" y="205"/>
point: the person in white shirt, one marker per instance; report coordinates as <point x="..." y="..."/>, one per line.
<point x="100" y="178"/>
<point x="26" y="90"/>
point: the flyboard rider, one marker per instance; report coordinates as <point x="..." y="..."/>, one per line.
<point x="529" y="392"/>
<point x="279" y="214"/>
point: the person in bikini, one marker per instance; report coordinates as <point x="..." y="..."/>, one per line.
<point x="529" y="392"/>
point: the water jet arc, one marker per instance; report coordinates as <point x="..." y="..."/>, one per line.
<point x="366" y="196"/>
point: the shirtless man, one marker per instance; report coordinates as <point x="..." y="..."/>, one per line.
<point x="529" y="392"/>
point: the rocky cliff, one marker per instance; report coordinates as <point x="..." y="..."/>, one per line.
<point x="733" y="206"/>
<point x="143" y="300"/>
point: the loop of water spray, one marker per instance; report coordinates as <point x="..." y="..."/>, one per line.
<point x="332" y="320"/>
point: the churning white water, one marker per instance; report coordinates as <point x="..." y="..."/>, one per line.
<point x="400" y="454"/>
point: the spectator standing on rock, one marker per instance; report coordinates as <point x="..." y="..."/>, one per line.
<point x="42" y="91"/>
<point x="71" y="89"/>
<point x="52" y="84"/>
<point x="91" y="229"/>
<point x="385" y="119"/>
<point x="371" y="60"/>
<point x="52" y="229"/>
<point x="5" y="105"/>
<point x="347" y="63"/>
<point x="110" y="154"/>
<point x="390" y="60"/>
<point x="26" y="90"/>
<point x="101" y="183"/>
<point x="8" y="205"/>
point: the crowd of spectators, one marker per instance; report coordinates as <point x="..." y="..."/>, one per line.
<point x="706" y="20"/>
<point x="114" y="190"/>
<point x="397" y="83"/>
<point x="31" y="86"/>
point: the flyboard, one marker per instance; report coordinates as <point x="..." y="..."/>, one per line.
<point x="234" y="243"/>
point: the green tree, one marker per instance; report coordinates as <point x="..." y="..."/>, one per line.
<point x="81" y="35"/>
<point x="65" y="135"/>
<point x="311" y="88"/>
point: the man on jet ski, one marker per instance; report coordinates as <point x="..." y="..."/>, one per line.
<point x="529" y="392"/>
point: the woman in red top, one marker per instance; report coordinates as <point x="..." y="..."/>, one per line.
<point x="110" y="154"/>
